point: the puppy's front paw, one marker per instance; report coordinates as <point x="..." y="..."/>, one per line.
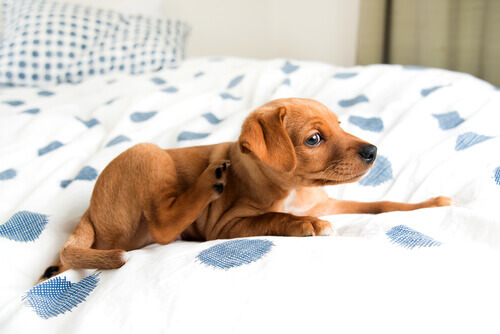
<point x="215" y="177"/>
<point x="310" y="226"/>
<point x="439" y="201"/>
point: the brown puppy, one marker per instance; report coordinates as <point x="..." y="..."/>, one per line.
<point x="286" y="150"/>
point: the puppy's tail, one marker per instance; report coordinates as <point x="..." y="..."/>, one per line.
<point x="77" y="252"/>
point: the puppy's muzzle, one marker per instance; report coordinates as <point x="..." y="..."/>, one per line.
<point x="368" y="154"/>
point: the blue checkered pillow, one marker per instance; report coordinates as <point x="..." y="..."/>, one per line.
<point x="46" y="42"/>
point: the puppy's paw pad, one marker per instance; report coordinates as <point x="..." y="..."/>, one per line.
<point x="219" y="169"/>
<point x="218" y="187"/>
<point x="218" y="172"/>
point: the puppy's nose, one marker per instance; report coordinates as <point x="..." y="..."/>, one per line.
<point x="368" y="153"/>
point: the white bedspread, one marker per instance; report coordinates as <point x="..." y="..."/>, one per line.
<point x="431" y="270"/>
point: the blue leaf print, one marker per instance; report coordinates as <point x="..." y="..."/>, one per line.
<point x="50" y="147"/>
<point x="211" y="118"/>
<point x="235" y="81"/>
<point x="227" y="96"/>
<point x="289" y="68"/>
<point x="469" y="139"/>
<point x="59" y="295"/>
<point x="345" y="75"/>
<point x="449" y="120"/>
<point x="24" y="226"/>
<point x="353" y="101"/>
<point x="235" y="253"/>
<point x="409" y="238"/>
<point x="142" y="116"/>
<point x="373" y="124"/>
<point x="380" y="173"/>
<point x="117" y="140"/>
<point x="8" y="174"/>
<point x="187" y="135"/>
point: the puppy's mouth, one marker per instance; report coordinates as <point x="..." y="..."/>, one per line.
<point x="350" y="179"/>
<point x="334" y="181"/>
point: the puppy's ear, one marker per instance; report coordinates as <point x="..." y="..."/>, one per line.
<point x="263" y="134"/>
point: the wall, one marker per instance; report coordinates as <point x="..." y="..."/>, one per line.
<point x="323" y="30"/>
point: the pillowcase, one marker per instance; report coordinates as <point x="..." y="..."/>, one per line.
<point x="153" y="8"/>
<point x="46" y="42"/>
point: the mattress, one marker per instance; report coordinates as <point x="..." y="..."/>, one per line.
<point x="435" y="269"/>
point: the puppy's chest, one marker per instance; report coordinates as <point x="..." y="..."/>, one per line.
<point x="295" y="203"/>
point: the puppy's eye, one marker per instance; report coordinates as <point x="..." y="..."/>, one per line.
<point x="314" y="140"/>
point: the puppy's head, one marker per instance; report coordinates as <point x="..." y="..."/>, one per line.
<point x="302" y="141"/>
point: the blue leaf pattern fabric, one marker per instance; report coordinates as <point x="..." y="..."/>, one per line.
<point x="117" y="140"/>
<point x="170" y="89"/>
<point x="345" y="75"/>
<point x="8" y="174"/>
<point x="14" y="103"/>
<point x="289" y="67"/>
<point x="406" y="237"/>
<point x="90" y="123"/>
<point x="235" y="253"/>
<point x="50" y="147"/>
<point x="449" y="120"/>
<point x="496" y="176"/>
<point x="425" y="92"/>
<point x="138" y="117"/>
<point x="87" y="173"/>
<point x="227" y="96"/>
<point x="158" y="81"/>
<point x="187" y="135"/>
<point x="351" y="102"/>
<point x="45" y="93"/>
<point x="24" y="226"/>
<point x="380" y="173"/>
<point x="211" y="118"/>
<point x="32" y="111"/>
<point x="58" y="295"/>
<point x="373" y="124"/>
<point x="235" y="81"/>
<point x="469" y="139"/>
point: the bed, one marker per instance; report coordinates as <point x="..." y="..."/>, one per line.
<point x="432" y="270"/>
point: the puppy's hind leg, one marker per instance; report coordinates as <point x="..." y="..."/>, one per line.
<point x="173" y="213"/>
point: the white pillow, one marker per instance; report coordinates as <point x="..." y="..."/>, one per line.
<point x="152" y="8"/>
<point x="46" y="42"/>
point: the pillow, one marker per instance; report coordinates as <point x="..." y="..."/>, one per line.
<point x="153" y="8"/>
<point x="45" y="42"/>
